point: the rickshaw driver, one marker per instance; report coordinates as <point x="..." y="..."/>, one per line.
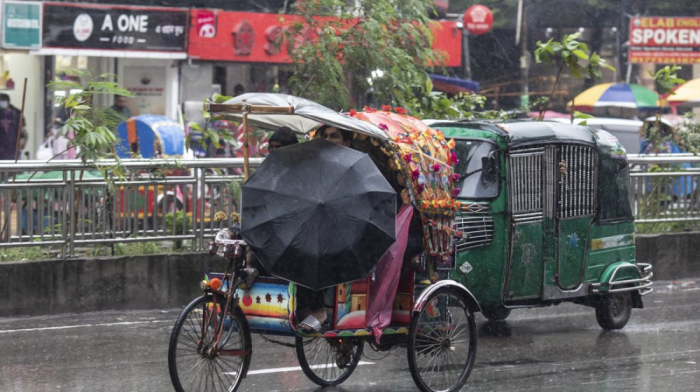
<point x="311" y="303"/>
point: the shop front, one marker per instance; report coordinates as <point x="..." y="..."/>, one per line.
<point x="141" y="45"/>
<point x="238" y="48"/>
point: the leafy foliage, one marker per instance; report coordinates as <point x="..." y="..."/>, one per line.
<point x="210" y="135"/>
<point x="666" y="79"/>
<point x="567" y="53"/>
<point x="381" y="47"/>
<point x="93" y="127"/>
<point x="176" y="223"/>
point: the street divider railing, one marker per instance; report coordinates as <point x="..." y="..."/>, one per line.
<point x="664" y="187"/>
<point x="67" y="205"/>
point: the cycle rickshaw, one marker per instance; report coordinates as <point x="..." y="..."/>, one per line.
<point x="420" y="309"/>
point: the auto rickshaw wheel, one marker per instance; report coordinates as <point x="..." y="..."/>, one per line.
<point x="495" y="313"/>
<point x="328" y="361"/>
<point x="613" y="311"/>
<point x="442" y="342"/>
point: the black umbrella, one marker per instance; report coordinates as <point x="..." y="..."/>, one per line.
<point x="318" y="214"/>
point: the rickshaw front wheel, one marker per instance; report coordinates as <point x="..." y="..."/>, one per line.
<point x="613" y="311"/>
<point x="328" y="361"/>
<point x="442" y="342"/>
<point x="204" y="357"/>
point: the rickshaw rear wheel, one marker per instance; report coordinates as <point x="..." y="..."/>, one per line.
<point x="193" y="361"/>
<point x="328" y="361"/>
<point x="613" y="311"/>
<point x="495" y="313"/>
<point x="442" y="342"/>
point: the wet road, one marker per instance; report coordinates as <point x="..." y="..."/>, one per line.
<point x="559" y="348"/>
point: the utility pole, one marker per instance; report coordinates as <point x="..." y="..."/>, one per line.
<point x="521" y="38"/>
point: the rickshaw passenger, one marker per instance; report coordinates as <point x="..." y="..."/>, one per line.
<point x="311" y="303"/>
<point x="283" y="137"/>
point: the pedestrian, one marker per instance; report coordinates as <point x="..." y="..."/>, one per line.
<point x="238" y="90"/>
<point x="120" y="107"/>
<point x="9" y="123"/>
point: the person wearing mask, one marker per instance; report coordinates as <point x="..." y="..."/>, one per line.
<point x="9" y="123"/>
<point x="120" y="107"/>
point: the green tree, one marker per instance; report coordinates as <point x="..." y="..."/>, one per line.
<point x="378" y="46"/>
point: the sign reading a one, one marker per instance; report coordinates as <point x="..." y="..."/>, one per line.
<point x="478" y="19"/>
<point x="664" y="40"/>
<point x="251" y="37"/>
<point x="114" y="27"/>
<point x="21" y="23"/>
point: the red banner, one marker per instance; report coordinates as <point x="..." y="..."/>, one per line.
<point x="664" y="40"/>
<point x="248" y="37"/>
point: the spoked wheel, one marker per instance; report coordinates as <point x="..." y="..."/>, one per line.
<point x="442" y="342"/>
<point x="328" y="361"/>
<point x="613" y="311"/>
<point x="198" y="359"/>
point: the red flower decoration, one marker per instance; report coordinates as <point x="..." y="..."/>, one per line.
<point x="415" y="174"/>
<point x="456" y="177"/>
<point x="455" y="160"/>
<point x="419" y="188"/>
<point x="369" y="109"/>
<point x="353" y="113"/>
<point x="386" y="108"/>
<point x="456" y="191"/>
<point x="400" y="110"/>
<point x="383" y="126"/>
<point x="408" y="157"/>
<point x="436" y="167"/>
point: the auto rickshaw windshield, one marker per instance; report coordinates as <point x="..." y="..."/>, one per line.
<point x="475" y="181"/>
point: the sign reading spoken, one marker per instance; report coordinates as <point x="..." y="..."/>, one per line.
<point x="114" y="27"/>
<point x="665" y="40"/>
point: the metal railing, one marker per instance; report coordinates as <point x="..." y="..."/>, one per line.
<point x="67" y="206"/>
<point x="664" y="187"/>
<point x="57" y="208"/>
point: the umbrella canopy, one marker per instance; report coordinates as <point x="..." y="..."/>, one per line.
<point x="618" y="95"/>
<point x="308" y="115"/>
<point x="318" y="214"/>
<point x="688" y="92"/>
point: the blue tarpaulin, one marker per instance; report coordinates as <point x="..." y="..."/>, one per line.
<point x="453" y="85"/>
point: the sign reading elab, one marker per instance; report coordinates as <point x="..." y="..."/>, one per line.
<point x="478" y="19"/>
<point x="21" y="22"/>
<point x="250" y="37"/>
<point x="114" y="27"/>
<point x="665" y="40"/>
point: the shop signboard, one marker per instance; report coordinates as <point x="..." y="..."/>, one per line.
<point x="665" y="40"/>
<point x="250" y="38"/>
<point x="114" y="27"/>
<point x="21" y="25"/>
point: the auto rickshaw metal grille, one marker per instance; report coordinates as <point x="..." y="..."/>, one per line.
<point x="479" y="226"/>
<point x="577" y="181"/>
<point x="525" y="178"/>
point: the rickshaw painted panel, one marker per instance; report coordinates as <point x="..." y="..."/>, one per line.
<point x="572" y="251"/>
<point x="525" y="269"/>
<point x="266" y="305"/>
<point x="627" y="271"/>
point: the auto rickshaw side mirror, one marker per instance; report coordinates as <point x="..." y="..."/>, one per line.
<point x="490" y="169"/>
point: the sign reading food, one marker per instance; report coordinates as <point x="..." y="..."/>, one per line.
<point x="665" y="40"/>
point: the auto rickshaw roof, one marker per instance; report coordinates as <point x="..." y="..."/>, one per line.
<point x="528" y="132"/>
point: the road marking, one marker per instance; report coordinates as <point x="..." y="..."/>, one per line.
<point x="84" y="326"/>
<point x="298" y="368"/>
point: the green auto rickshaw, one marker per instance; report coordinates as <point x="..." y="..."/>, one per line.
<point x="548" y="213"/>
